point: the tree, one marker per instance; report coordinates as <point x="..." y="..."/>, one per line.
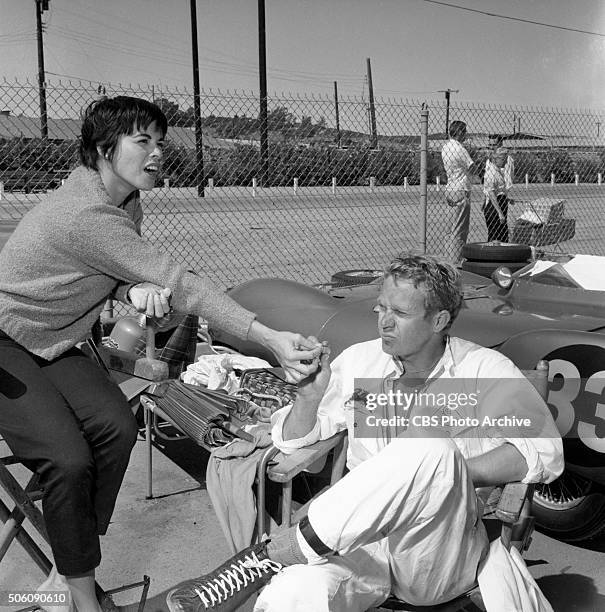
<point x="170" y="109"/>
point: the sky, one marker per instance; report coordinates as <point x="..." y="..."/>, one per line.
<point x="417" y="47"/>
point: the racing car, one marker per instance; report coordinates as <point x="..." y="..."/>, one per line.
<point x="546" y="310"/>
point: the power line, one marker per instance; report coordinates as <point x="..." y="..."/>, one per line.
<point x="499" y="16"/>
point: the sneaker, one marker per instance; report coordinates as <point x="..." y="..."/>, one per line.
<point x="228" y="586"/>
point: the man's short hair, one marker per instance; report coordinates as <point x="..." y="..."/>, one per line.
<point x="106" y="119"/>
<point x="457" y="128"/>
<point x="439" y="280"/>
<point x="497" y="152"/>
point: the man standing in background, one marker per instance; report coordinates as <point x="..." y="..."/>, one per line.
<point x="459" y="168"/>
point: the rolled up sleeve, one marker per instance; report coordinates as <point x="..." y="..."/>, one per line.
<point x="540" y="442"/>
<point x="544" y="458"/>
<point x="289" y="446"/>
<point x="330" y="417"/>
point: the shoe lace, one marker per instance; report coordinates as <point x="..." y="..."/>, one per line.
<point x="234" y="578"/>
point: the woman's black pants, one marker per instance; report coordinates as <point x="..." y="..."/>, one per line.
<point x="496" y="229"/>
<point x="67" y="421"/>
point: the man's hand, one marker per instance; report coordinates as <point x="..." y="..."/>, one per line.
<point x="303" y="416"/>
<point x="151" y="299"/>
<point x="313" y="388"/>
<point x="298" y="356"/>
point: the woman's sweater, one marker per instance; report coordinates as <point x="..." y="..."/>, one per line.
<point x="73" y="251"/>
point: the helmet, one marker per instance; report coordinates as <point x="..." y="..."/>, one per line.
<point x="127" y="332"/>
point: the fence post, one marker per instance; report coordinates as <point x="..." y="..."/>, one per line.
<point x="333" y="184"/>
<point x="424" y="138"/>
<point x="210" y="183"/>
<point x="599" y="178"/>
<point x="254" y="187"/>
<point x="295" y="187"/>
<point x="438" y="182"/>
<point x="552" y="179"/>
<point x="2" y="189"/>
<point x="372" y="183"/>
<point x="577" y="179"/>
<point x="527" y="181"/>
<point x="166" y="183"/>
<point x="405" y="183"/>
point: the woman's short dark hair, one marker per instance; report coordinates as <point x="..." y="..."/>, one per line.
<point x="440" y="281"/>
<point x="106" y="119"/>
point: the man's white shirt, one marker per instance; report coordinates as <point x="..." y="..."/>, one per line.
<point x="462" y="362"/>
<point x="456" y="162"/>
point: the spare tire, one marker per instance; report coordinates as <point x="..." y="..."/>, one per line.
<point x="488" y="251"/>
<point x="485" y="268"/>
<point x="355" y="277"/>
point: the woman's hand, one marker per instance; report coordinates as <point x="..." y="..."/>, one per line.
<point x="151" y="299"/>
<point x="297" y="355"/>
<point x="501" y="217"/>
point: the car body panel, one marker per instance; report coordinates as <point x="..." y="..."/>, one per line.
<point x="344" y="315"/>
<point x="525" y="322"/>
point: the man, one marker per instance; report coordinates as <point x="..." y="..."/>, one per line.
<point x="459" y="168"/>
<point x="406" y="518"/>
<point x="496" y="184"/>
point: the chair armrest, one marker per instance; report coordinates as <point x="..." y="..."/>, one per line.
<point x="285" y="467"/>
<point x="511" y="501"/>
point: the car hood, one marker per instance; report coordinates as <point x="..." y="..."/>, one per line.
<point x="345" y="316"/>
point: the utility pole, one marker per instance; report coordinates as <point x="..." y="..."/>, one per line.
<point x="41" y="6"/>
<point x="337" y="115"/>
<point x="447" y="93"/>
<point x="262" y="76"/>
<point x="197" y="106"/>
<point x="373" y="135"/>
<point x="598" y="128"/>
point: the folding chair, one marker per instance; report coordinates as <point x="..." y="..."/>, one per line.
<point x="507" y="515"/>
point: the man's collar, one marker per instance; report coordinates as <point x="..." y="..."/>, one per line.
<point x="447" y="362"/>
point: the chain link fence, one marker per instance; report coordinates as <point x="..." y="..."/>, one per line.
<point x="329" y="192"/>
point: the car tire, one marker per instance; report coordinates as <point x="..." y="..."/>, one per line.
<point x="485" y="268"/>
<point x="355" y="277"/>
<point x="486" y="251"/>
<point x="571" y="508"/>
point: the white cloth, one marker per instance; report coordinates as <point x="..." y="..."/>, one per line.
<point x="506" y="584"/>
<point x="217" y="371"/>
<point x="456" y="162"/>
<point x="409" y="499"/>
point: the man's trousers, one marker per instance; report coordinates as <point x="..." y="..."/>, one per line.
<point x="405" y="521"/>
<point x="461" y="219"/>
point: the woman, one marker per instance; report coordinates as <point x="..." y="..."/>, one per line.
<point x="59" y="412"/>
<point x="495" y="188"/>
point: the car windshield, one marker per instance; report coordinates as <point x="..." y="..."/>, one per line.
<point x="554" y="275"/>
<point x="580" y="272"/>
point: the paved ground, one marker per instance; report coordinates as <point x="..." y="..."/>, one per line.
<point x="232" y="236"/>
<point x="175" y="536"/>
